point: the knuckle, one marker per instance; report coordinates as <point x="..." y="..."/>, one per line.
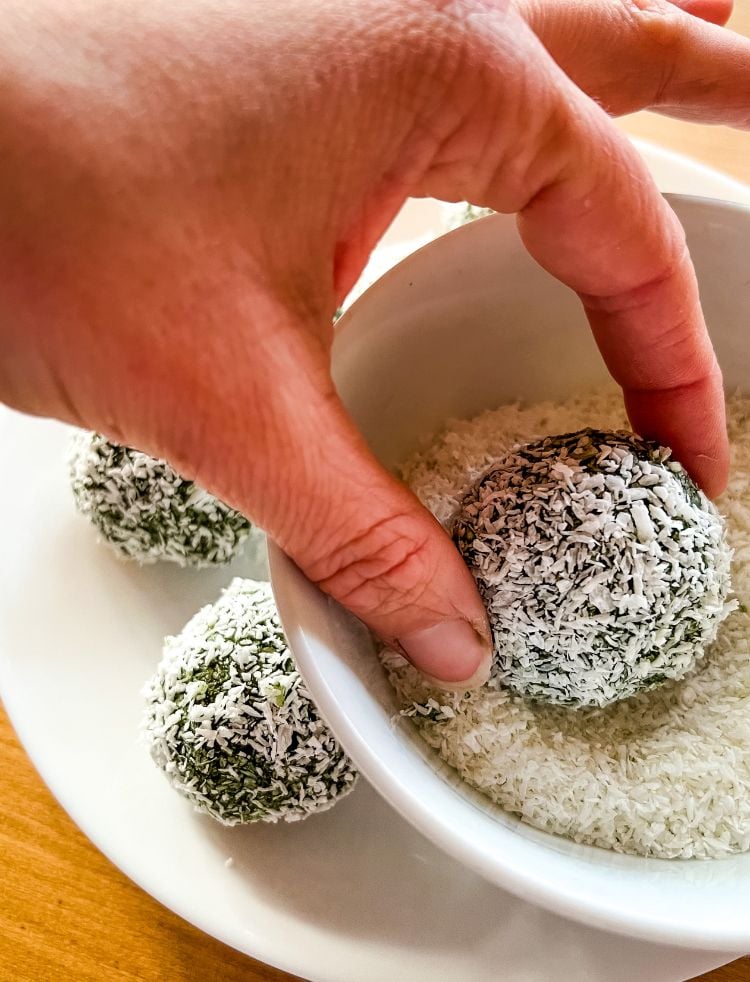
<point x="641" y="293"/>
<point x="483" y="97"/>
<point x="378" y="570"/>
<point x="505" y="153"/>
<point x="633" y="298"/>
<point x="535" y="160"/>
<point x="687" y="362"/>
<point x="649" y="14"/>
<point x="659" y="28"/>
<point x="658" y="22"/>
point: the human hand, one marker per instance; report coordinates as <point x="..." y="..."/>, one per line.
<point x="188" y="190"/>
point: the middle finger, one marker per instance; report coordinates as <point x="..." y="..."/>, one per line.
<point x="647" y="54"/>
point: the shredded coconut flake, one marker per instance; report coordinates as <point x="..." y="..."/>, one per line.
<point x="665" y="773"/>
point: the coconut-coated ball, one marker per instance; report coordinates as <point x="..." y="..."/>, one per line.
<point x="230" y="722"/>
<point x="604" y="569"/>
<point x="146" y="512"/>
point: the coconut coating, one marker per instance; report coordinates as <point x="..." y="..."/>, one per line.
<point x="604" y="569"/>
<point x="231" y="723"/>
<point x="145" y="511"/>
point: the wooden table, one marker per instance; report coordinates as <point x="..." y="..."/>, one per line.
<point x="67" y="915"/>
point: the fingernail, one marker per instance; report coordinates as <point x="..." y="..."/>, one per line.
<point x="451" y="655"/>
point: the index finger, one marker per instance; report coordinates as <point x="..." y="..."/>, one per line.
<point x="598" y="223"/>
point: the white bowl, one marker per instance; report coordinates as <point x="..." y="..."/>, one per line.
<point x="467" y="323"/>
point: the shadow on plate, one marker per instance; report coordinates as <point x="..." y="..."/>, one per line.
<point x="335" y="853"/>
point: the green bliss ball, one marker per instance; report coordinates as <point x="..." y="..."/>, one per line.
<point x="604" y="569"/>
<point x="456" y="214"/>
<point x="230" y="721"/>
<point x="146" y="512"/>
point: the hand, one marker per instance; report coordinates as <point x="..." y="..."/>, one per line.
<point x="189" y="187"/>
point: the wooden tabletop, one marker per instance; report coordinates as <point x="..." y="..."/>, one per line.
<point x="67" y="915"/>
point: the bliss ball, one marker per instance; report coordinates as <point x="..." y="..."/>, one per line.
<point x="145" y="511"/>
<point x="456" y="214"/>
<point x="604" y="569"/>
<point x="231" y="723"/>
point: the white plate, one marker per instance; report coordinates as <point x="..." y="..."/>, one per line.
<point x="354" y="895"/>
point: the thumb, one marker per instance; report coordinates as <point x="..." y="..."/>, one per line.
<point x="310" y="481"/>
<point x="366" y="540"/>
<point x="384" y="557"/>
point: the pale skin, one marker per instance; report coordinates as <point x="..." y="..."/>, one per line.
<point x="188" y="188"/>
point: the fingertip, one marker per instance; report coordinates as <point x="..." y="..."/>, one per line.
<point x="713" y="11"/>
<point x="710" y="470"/>
<point x="452" y="655"/>
<point x="476" y="681"/>
<point x="711" y="475"/>
<point x="691" y="421"/>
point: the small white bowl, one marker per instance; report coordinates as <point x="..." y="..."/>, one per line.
<point x="468" y="323"/>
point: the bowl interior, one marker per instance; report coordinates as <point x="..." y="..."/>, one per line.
<point x="471" y="322"/>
